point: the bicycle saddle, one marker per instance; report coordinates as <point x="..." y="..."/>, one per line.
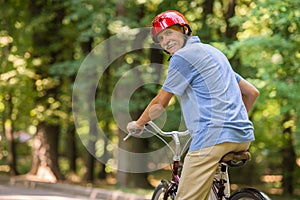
<point x="236" y="159"/>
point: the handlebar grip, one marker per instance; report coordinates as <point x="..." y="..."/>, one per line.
<point x="134" y="131"/>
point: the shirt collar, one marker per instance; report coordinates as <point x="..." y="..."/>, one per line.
<point x="193" y="39"/>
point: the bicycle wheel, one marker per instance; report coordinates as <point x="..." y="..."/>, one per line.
<point x="249" y="194"/>
<point x="159" y="193"/>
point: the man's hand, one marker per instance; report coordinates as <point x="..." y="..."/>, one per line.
<point x="134" y="129"/>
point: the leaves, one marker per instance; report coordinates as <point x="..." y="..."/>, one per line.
<point x="268" y="43"/>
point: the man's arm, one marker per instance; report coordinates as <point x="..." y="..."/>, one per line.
<point x="156" y="107"/>
<point x="249" y="93"/>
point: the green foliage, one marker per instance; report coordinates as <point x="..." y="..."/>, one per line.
<point x="43" y="44"/>
<point x="269" y="45"/>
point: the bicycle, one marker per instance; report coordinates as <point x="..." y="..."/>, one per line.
<point x="167" y="189"/>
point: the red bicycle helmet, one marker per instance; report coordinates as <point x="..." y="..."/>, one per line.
<point x="167" y="19"/>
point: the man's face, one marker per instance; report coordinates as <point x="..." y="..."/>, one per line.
<point x="171" y="39"/>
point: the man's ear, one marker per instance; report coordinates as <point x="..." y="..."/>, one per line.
<point x="186" y="30"/>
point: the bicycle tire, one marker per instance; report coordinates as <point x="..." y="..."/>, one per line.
<point x="159" y="193"/>
<point x="248" y="194"/>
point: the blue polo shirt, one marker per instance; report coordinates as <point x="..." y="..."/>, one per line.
<point x="209" y="94"/>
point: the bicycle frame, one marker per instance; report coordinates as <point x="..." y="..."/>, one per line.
<point x="172" y="186"/>
<point x="220" y="187"/>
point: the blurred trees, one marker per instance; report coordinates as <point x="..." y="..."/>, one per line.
<point x="44" y="42"/>
<point x="269" y="46"/>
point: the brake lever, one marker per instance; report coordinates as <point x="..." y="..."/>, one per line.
<point x="131" y="132"/>
<point x="127" y="136"/>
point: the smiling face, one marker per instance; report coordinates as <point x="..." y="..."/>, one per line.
<point x="171" y="39"/>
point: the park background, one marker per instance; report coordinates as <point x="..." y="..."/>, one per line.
<point x="44" y="42"/>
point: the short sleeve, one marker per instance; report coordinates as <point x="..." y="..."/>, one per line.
<point x="179" y="76"/>
<point x="238" y="77"/>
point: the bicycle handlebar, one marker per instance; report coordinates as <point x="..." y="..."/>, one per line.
<point x="159" y="131"/>
<point x="174" y="134"/>
<point x="167" y="134"/>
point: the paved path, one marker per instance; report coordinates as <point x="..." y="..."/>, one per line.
<point x="12" y="188"/>
<point x="10" y="192"/>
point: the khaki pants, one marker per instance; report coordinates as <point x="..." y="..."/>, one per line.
<point x="199" y="169"/>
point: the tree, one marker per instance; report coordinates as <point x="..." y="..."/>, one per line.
<point x="268" y="44"/>
<point x="45" y="148"/>
<point x="15" y="78"/>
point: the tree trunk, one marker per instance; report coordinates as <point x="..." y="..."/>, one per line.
<point x="125" y="178"/>
<point x="207" y="11"/>
<point x="45" y="145"/>
<point x="9" y="134"/>
<point x="288" y="160"/>
<point x="11" y="156"/>
<point x="104" y="158"/>
<point x="90" y="153"/>
<point x="71" y="152"/>
<point x="45" y="153"/>
<point x="90" y="144"/>
<point x="229" y="13"/>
